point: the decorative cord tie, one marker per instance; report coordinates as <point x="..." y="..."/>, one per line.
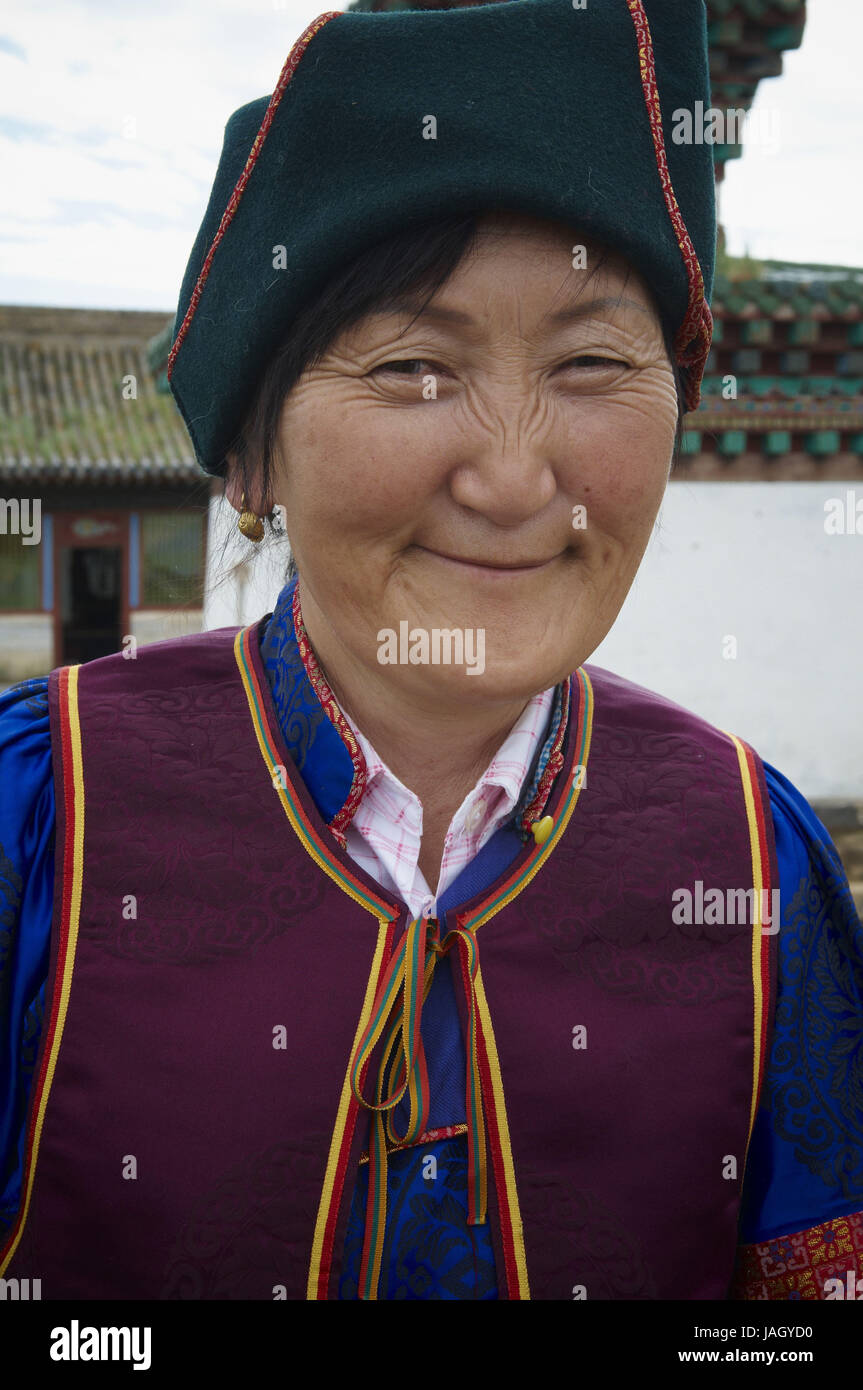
<point x="403" y="1070"/>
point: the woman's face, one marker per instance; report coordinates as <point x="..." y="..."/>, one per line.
<point x="496" y="469"/>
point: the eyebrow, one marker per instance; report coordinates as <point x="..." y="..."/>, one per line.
<point x="412" y="303"/>
<point x="579" y="311"/>
<point x="408" y="303"/>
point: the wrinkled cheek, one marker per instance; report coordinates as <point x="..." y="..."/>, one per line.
<point x="620" y="472"/>
<point x="621" y="509"/>
<point x="360" y="487"/>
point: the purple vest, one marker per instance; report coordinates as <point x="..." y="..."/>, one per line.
<point x="175" y="1152"/>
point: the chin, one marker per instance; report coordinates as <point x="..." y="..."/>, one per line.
<point x="488" y="678"/>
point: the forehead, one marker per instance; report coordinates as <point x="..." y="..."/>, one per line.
<point x="532" y="267"/>
<point x="563" y="256"/>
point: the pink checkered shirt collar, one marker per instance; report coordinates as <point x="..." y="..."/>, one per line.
<point x="385" y="838"/>
<point x="385" y="833"/>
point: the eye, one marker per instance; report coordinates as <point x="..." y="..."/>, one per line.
<point x="404" y="366"/>
<point x="588" y="360"/>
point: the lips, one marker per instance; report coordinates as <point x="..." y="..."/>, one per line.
<point x="492" y="565"/>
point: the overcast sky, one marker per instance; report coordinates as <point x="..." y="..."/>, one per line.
<point x="111" y="118"/>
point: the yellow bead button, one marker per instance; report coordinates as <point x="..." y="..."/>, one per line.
<point x="542" y="829"/>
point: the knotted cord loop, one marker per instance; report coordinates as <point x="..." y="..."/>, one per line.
<point x="397" y="1017"/>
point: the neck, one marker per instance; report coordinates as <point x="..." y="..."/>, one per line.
<point x="438" y="750"/>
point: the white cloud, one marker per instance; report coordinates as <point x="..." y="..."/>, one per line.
<point x="83" y="204"/>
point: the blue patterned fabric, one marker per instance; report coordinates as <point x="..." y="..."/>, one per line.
<point x="806" y="1157"/>
<point x="807" y="1145"/>
<point x="27" y="888"/>
<point x="429" y="1250"/>
<point x="313" y="741"/>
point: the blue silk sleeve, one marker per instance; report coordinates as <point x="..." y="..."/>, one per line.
<point x="805" y="1164"/>
<point x="27" y="887"/>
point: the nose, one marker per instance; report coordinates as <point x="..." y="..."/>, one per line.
<point x="505" y="468"/>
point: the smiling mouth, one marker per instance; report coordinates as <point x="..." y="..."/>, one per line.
<point x="492" y="567"/>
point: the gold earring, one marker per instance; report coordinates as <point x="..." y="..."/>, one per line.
<point x="249" y="524"/>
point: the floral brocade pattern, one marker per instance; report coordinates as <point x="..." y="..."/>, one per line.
<point x="286" y="677"/>
<point x="430" y="1251"/>
<point x="815" y="1089"/>
<point x="11" y="885"/>
<point x="657" y="788"/>
<point x="794" y="1267"/>
<point x="637" y="950"/>
<point x="327" y="757"/>
<point x="37" y="701"/>
<point x="605" y="1258"/>
<point x="239" y="1240"/>
<point x="170" y="849"/>
<point x="330" y="706"/>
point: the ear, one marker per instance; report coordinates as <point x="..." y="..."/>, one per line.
<point x="234" y="489"/>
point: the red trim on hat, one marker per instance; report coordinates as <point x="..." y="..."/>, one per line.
<point x="692" y="343"/>
<point x="291" y="64"/>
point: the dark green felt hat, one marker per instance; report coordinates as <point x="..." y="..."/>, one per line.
<point x="540" y="106"/>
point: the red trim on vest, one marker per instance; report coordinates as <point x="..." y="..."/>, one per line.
<point x="692" y="342"/>
<point x="290" y="67"/>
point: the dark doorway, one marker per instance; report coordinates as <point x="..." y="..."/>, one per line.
<point x="91" y="601"/>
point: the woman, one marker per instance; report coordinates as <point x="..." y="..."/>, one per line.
<point x="429" y="962"/>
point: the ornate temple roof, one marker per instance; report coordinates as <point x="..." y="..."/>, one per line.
<point x="783" y="390"/>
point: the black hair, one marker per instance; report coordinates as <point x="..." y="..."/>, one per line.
<point x="410" y="262"/>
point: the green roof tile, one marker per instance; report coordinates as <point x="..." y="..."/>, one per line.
<point x="732" y="442"/>
<point x="822" y="442"/>
<point x="777" y="442"/>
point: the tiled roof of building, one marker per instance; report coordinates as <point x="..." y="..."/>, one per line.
<point x="78" y="400"/>
<point x="783" y="389"/>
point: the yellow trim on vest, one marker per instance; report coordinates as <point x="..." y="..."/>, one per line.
<point x="511" y="1193"/>
<point x="342" y="1116"/>
<point x="757" y="942"/>
<point x="269" y="763"/>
